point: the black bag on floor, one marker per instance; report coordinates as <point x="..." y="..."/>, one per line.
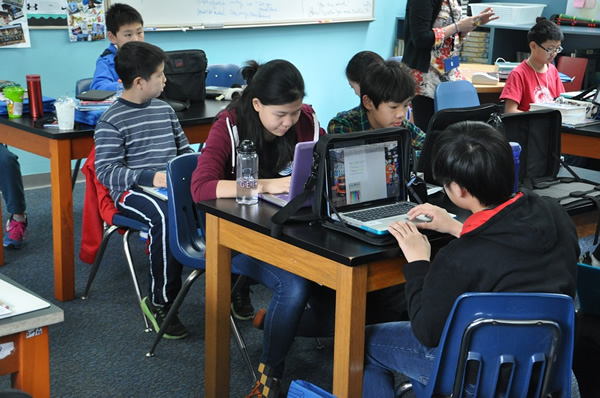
<point x="538" y="133"/>
<point x="186" y="78"/>
<point x="318" y="180"/>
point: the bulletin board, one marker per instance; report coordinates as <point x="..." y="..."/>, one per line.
<point x="211" y="14"/>
<point x="589" y="9"/>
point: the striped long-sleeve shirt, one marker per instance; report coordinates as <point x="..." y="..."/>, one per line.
<point x="134" y="141"/>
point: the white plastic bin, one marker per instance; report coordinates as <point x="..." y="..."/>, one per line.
<point x="511" y="13"/>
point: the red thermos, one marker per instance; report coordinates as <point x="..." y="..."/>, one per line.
<point x="34" y="90"/>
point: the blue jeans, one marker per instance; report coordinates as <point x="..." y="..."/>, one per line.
<point x="291" y="294"/>
<point x="392" y="347"/>
<point x="11" y="182"/>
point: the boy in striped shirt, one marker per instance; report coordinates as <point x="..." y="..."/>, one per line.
<point x="134" y="140"/>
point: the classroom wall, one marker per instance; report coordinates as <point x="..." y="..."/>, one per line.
<point x="319" y="51"/>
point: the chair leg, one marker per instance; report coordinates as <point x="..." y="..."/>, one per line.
<point x="98" y="260"/>
<point x="136" y="284"/>
<point x="239" y="339"/>
<point x="174" y="308"/>
<point x="75" y="173"/>
<point x="404" y="388"/>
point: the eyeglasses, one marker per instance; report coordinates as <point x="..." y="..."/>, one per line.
<point x="551" y="50"/>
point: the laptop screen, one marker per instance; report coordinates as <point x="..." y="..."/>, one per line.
<point x="363" y="173"/>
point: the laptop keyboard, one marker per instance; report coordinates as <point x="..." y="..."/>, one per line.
<point x="377" y="213"/>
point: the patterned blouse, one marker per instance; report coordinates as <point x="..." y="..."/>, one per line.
<point x="442" y="50"/>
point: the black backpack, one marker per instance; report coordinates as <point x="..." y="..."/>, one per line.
<point x="186" y="78"/>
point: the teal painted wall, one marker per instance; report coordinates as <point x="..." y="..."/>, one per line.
<point x="319" y="51"/>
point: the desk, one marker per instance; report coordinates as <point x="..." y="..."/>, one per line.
<point x="63" y="146"/>
<point x="467" y="71"/>
<point x="581" y="141"/>
<point x="30" y="363"/>
<point x="330" y="258"/>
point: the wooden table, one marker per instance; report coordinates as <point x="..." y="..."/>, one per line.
<point x="581" y="141"/>
<point x="332" y="259"/>
<point x="63" y="146"/>
<point x="29" y="364"/>
<point x="467" y="71"/>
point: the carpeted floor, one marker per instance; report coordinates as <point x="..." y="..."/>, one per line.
<point x="99" y="350"/>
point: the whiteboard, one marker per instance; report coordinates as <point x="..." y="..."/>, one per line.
<point x="207" y="14"/>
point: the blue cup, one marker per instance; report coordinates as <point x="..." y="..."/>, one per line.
<point x="516" y="149"/>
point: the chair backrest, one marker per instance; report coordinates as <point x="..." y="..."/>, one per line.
<point x="83" y="85"/>
<point x="456" y="94"/>
<point x="224" y="75"/>
<point x="186" y="243"/>
<point x="588" y="288"/>
<point x="505" y="344"/>
<point x="574" y="68"/>
<point x="444" y="118"/>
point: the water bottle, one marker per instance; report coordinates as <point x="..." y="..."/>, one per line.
<point x="119" y="88"/>
<point x="34" y="93"/>
<point x="516" y="149"/>
<point x="247" y="174"/>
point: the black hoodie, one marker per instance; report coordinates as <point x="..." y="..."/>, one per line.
<point x="528" y="244"/>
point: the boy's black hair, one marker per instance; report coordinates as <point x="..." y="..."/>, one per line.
<point x="389" y="81"/>
<point x="138" y="59"/>
<point x="543" y="31"/>
<point x="478" y="158"/>
<point x="357" y="66"/>
<point x="121" y="14"/>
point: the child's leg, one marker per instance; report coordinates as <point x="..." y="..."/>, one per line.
<point x="165" y="271"/>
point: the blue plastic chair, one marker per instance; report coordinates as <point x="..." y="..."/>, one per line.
<point x="588" y="288"/>
<point x="304" y="389"/>
<point x="224" y="75"/>
<point x="456" y="94"/>
<point x="504" y="345"/>
<point x="186" y="242"/>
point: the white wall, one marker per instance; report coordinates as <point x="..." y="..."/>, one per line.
<point x="319" y="51"/>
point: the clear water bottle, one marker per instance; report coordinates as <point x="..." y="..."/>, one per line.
<point x="516" y="148"/>
<point x="247" y="174"/>
<point x="119" y="88"/>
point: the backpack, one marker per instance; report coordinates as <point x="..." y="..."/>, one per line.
<point x="317" y="181"/>
<point x="186" y="78"/>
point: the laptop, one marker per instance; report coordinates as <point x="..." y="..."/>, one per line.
<point x="303" y="155"/>
<point x="588" y="288"/>
<point x="364" y="183"/>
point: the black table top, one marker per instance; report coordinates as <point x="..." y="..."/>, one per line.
<point x="333" y="245"/>
<point x="197" y="113"/>
<point x="592" y="130"/>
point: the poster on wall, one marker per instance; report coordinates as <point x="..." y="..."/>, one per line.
<point x="47" y="13"/>
<point x="14" y="31"/>
<point x="589" y="9"/>
<point x="86" y="20"/>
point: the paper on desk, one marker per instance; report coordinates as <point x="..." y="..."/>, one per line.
<point x="19" y="301"/>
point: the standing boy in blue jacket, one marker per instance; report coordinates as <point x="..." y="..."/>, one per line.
<point x="123" y="24"/>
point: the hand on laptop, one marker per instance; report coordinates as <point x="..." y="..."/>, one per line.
<point x="414" y="244"/>
<point x="441" y="221"/>
<point x="274" y="185"/>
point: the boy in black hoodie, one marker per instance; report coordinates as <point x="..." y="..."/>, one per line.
<point x="511" y="243"/>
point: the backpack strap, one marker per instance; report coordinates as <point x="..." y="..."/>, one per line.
<point x="287" y="212"/>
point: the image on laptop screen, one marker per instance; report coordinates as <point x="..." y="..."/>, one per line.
<point x="364" y="173"/>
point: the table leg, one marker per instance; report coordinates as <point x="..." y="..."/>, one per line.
<point x="33" y="371"/>
<point x="348" y="355"/>
<point x="218" y="300"/>
<point x="62" y="219"/>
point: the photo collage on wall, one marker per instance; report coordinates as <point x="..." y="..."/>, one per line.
<point x="86" y="20"/>
<point x="14" y="31"/>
